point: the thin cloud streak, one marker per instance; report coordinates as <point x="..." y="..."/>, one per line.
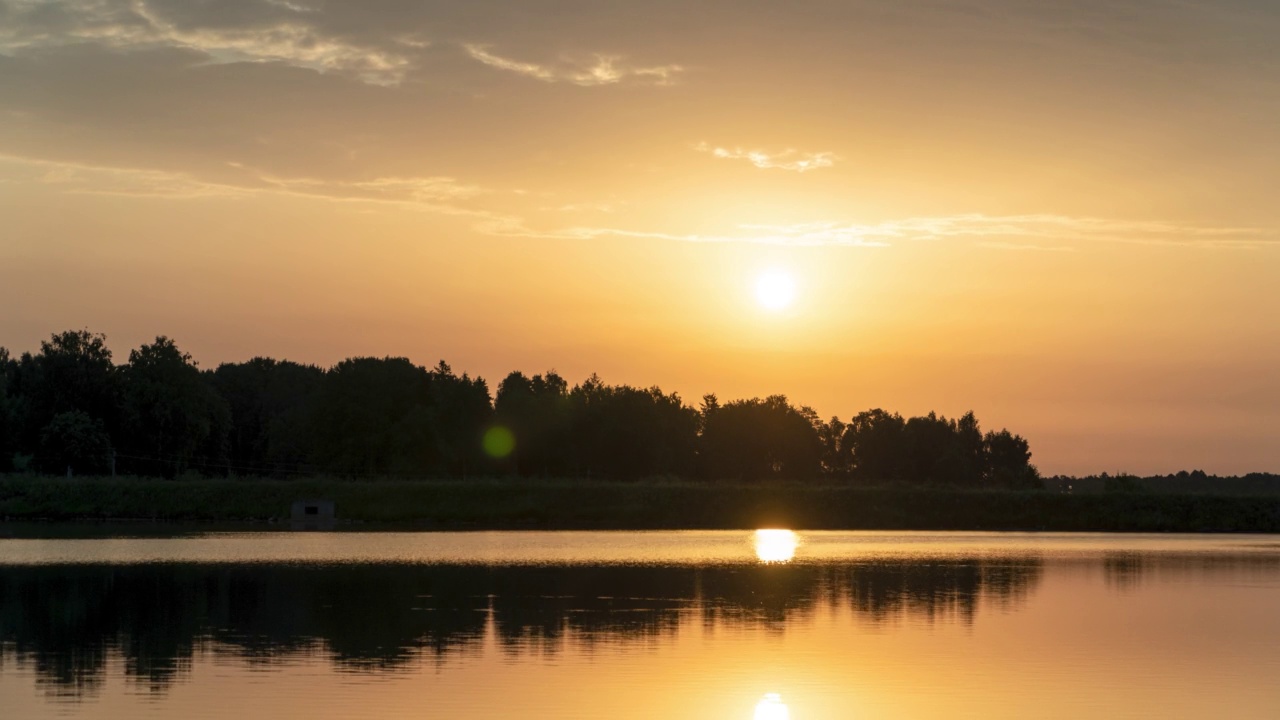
<point x="786" y="160"/>
<point x="441" y="195"/>
<point x="605" y="70"/>
<point x="287" y="37"/>
<point x="1053" y="233"/>
<point x="519" y="229"/>
<point x="425" y="193"/>
<point x="1041" y="227"/>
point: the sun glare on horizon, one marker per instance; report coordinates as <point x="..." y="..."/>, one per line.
<point x="776" y="546"/>
<point x="775" y="290"/>
<point x="771" y="707"/>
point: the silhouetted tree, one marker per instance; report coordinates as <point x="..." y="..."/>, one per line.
<point x="536" y="410"/>
<point x="172" y="416"/>
<point x="461" y="410"/>
<point x="970" y="449"/>
<point x="874" y="446"/>
<point x="373" y="417"/>
<point x="271" y="403"/>
<point x="72" y="372"/>
<point x="625" y="432"/>
<point x="757" y="439"/>
<point x="388" y="416"/>
<point x="73" y="441"/>
<point x="1124" y="483"/>
<point x="1008" y="461"/>
<point x="9" y="441"/>
<point x="878" y="446"/>
<point x="930" y="447"/>
<point x="831" y="435"/>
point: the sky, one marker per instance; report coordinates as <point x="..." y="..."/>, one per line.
<point x="1062" y="216"/>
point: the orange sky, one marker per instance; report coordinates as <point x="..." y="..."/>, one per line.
<point x="1062" y="217"/>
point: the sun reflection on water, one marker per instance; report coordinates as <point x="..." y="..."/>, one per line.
<point x="771" y="707"/>
<point x="776" y="546"/>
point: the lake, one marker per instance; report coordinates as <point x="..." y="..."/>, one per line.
<point x="766" y="625"/>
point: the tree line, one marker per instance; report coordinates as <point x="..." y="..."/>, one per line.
<point x="69" y="408"/>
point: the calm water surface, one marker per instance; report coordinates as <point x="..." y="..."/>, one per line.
<point x="746" y="626"/>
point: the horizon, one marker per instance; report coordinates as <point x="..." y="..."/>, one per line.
<point x="1061" y="218"/>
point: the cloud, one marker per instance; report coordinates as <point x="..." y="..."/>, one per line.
<point x="80" y="179"/>
<point x="274" y="32"/>
<point x="580" y="207"/>
<point x="449" y="196"/>
<point x="427" y="193"/>
<point x="378" y="47"/>
<point x="785" y="160"/>
<point x="603" y="70"/>
<point x="389" y="189"/>
<point x="757" y="235"/>
<point x="1053" y="233"/>
<point x="1026" y="247"/>
<point x="1031" y="231"/>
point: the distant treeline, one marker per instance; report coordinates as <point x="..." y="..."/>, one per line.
<point x="1196" y="482"/>
<point x="71" y="408"/>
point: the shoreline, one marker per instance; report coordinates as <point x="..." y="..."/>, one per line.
<point x="568" y="504"/>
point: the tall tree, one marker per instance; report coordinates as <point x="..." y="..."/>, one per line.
<point x="626" y="432"/>
<point x="757" y="439"/>
<point x="73" y="372"/>
<point x="173" y="419"/>
<point x="831" y="435"/>
<point x="9" y="441"/>
<point x="1008" y="461"/>
<point x="73" y="442"/>
<point x="460" y="411"/>
<point x="373" y="417"/>
<point x="271" y="403"/>
<point x="537" y="412"/>
<point x="874" y="446"/>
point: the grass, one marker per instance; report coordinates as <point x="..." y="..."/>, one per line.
<point x="651" y="504"/>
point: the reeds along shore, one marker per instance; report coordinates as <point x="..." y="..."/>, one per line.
<point x="565" y="504"/>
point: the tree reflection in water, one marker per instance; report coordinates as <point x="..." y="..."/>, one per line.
<point x="68" y="621"/>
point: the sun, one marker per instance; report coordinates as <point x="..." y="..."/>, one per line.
<point x="776" y="546"/>
<point x="771" y="707"/>
<point x="775" y="290"/>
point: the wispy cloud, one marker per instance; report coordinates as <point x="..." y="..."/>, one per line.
<point x="448" y="196"/>
<point x="1027" y="247"/>
<point x="580" y="208"/>
<point x="1034" y="231"/>
<point x="602" y="70"/>
<point x="1055" y="233"/>
<point x="435" y="194"/>
<point x="283" y="33"/>
<point x="786" y="160"/>
<point x="756" y="235"/>
<point x="82" y="179"/>
<point x="389" y="189"/>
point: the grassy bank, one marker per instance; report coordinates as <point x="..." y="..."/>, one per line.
<point x="574" y="504"/>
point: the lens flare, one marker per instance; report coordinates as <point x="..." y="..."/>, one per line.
<point x="771" y="707"/>
<point x="498" y="442"/>
<point x="776" y="546"/>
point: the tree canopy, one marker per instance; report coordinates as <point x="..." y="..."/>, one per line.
<point x="69" y="406"/>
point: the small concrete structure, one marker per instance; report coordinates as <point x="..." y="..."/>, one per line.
<point x="313" y="514"/>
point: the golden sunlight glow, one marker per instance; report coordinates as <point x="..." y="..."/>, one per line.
<point x="776" y="546"/>
<point x="775" y="289"/>
<point x="771" y="707"/>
